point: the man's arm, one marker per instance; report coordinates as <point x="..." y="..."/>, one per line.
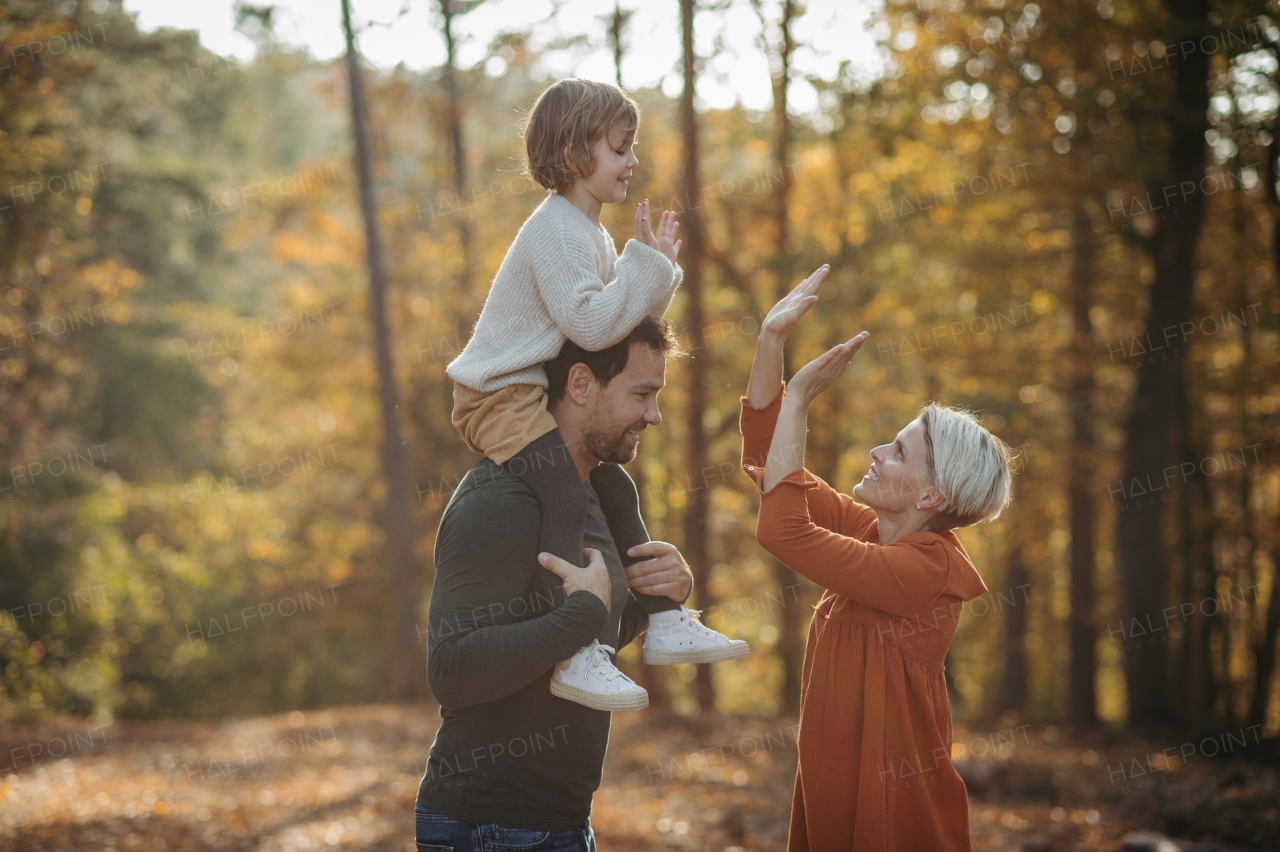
<point x="479" y="649"/>
<point x="664" y="574"/>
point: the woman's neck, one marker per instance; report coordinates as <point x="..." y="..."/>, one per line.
<point x="895" y="527"/>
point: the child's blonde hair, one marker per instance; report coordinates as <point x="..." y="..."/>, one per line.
<point x="573" y="114"/>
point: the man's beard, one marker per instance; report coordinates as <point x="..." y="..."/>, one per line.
<point x="612" y="449"/>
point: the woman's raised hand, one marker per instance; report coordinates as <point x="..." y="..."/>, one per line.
<point x="784" y="315"/>
<point x="816" y="376"/>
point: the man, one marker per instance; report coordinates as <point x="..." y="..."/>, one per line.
<point x="512" y="764"/>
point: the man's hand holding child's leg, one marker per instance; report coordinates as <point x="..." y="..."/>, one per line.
<point x="594" y="578"/>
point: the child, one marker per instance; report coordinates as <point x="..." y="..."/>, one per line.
<point x="563" y="279"/>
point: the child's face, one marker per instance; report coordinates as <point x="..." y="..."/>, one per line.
<point x="614" y="159"/>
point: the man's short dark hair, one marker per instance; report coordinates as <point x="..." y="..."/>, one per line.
<point x="607" y="363"/>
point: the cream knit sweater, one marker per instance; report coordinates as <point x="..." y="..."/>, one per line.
<point x="561" y="278"/>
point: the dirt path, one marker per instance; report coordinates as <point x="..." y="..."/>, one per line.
<point x="347" y="777"/>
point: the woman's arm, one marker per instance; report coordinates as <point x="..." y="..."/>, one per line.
<point x="761" y="408"/>
<point x="766" y="370"/>
<point x="786" y="452"/>
<point x="903" y="578"/>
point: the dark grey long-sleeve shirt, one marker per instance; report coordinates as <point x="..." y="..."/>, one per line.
<point x="508" y="751"/>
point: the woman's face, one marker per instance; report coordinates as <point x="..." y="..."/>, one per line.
<point x="899" y="475"/>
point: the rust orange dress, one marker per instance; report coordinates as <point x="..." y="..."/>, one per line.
<point x="875" y="768"/>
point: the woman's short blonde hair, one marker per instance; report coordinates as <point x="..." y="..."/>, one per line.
<point x="969" y="466"/>
<point x="573" y="114"/>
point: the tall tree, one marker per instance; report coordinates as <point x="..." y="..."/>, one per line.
<point x="1015" y="634"/>
<point x="695" y="519"/>
<point x="1198" y="533"/>
<point x="1171" y="247"/>
<point x="1081" y="466"/>
<point x="406" y="675"/>
<point x="1265" y="650"/>
<point x="617" y="23"/>
<point x="790" y="638"/>
<point x="450" y="10"/>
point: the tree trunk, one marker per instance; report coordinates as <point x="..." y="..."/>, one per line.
<point x="1172" y="251"/>
<point x="1081" y="697"/>
<point x="456" y="149"/>
<point x="791" y="639"/>
<point x="406" y="676"/>
<point x="1191" y="534"/>
<point x="1015" y="637"/>
<point x="1205" y="625"/>
<point x="1265" y="652"/>
<point x="617" y="23"/>
<point x="695" y="519"/>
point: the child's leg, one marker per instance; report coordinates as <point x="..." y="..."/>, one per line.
<point x="514" y="429"/>
<point x="546" y="466"/>
<point x="621" y="505"/>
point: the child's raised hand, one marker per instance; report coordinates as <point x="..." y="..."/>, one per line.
<point x="665" y="240"/>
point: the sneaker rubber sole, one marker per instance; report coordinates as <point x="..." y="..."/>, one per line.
<point x="736" y="651"/>
<point x="596" y="701"/>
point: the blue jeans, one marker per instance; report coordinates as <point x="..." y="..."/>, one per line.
<point x="437" y="833"/>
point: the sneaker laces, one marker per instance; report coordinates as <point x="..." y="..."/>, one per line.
<point x="694" y="616"/>
<point x="599" y="654"/>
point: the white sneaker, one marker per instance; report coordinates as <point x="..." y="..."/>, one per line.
<point x="590" y="678"/>
<point x="676" y="636"/>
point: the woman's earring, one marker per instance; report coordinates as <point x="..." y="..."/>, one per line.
<point x="917" y="505"/>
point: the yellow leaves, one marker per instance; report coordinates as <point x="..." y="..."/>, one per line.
<point x="294" y="247"/>
<point x="119" y="313"/>
<point x="107" y="278"/>
<point x="325" y="238"/>
<point x="215" y="527"/>
<point x="264" y="549"/>
<point x="1043" y="302"/>
<point x="337" y="571"/>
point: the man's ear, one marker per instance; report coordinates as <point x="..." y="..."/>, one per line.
<point x="578" y="386"/>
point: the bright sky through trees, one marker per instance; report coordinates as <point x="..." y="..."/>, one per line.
<point x="831" y="32"/>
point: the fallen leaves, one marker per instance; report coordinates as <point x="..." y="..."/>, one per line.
<point x="347" y="778"/>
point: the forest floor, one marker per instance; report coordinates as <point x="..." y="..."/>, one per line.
<point x="347" y="777"/>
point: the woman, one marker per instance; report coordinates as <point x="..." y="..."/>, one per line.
<point x="875" y="767"/>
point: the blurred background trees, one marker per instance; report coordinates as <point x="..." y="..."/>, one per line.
<point x="1063" y="215"/>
